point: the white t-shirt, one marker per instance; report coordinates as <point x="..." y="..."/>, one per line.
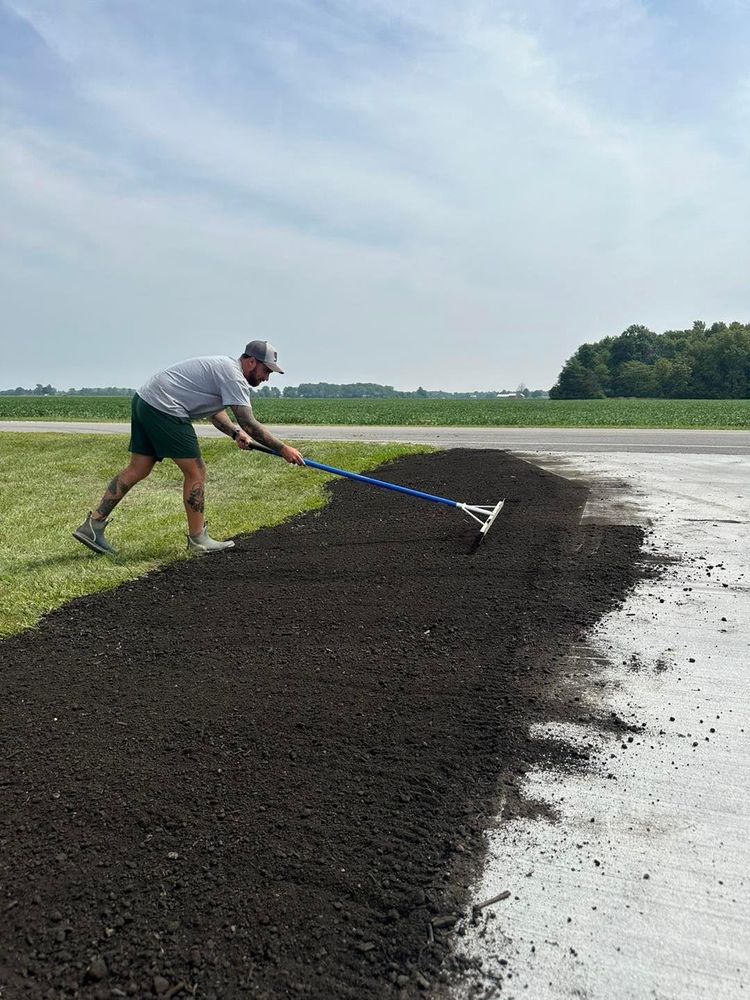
<point x="197" y="387"/>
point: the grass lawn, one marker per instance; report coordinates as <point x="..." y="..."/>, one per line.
<point x="49" y="482"/>
<point x="714" y="414"/>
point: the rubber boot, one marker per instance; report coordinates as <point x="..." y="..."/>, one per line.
<point x="91" y="534"/>
<point x="204" y="543"/>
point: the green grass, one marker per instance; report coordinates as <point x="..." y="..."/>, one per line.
<point x="715" y="414"/>
<point x="48" y="483"/>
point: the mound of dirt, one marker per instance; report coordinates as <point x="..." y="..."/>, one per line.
<point x="267" y="773"/>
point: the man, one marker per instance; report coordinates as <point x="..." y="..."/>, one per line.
<point x="161" y="427"/>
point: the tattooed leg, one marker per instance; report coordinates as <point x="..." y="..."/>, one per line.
<point x="116" y="490"/>
<point x="194" y="471"/>
<point x="140" y="466"/>
<point x="196" y="499"/>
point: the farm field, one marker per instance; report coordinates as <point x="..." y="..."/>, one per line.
<point x="43" y="567"/>
<point x="717" y="414"/>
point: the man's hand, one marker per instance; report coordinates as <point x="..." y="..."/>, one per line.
<point x="243" y="440"/>
<point x="291" y="455"/>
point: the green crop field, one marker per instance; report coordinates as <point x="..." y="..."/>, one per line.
<point x="44" y="499"/>
<point x="717" y="414"/>
<point x="104" y="408"/>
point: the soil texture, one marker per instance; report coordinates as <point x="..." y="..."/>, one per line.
<point x="267" y="773"/>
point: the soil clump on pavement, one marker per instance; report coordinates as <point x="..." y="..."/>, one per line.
<point x="267" y="773"/>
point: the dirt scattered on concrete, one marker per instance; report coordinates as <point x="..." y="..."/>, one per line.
<point x="268" y="773"/>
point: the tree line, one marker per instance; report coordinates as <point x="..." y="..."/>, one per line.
<point x="50" y="390"/>
<point x="704" y="362"/>
<point x="372" y="390"/>
<point x="306" y="390"/>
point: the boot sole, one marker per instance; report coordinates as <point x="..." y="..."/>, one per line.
<point x="93" y="545"/>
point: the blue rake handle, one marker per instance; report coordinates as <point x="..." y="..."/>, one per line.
<point x="483" y="515"/>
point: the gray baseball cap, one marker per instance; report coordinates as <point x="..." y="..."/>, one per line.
<point x="261" y="350"/>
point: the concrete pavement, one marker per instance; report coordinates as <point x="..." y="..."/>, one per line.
<point x="640" y="888"/>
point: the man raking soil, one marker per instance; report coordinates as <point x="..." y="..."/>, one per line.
<point x="161" y="427"/>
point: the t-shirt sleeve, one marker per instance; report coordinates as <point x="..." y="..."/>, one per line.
<point x="232" y="388"/>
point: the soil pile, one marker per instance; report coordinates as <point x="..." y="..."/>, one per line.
<point x="266" y="773"/>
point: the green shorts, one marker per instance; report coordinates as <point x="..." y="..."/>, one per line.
<point x="160" y="435"/>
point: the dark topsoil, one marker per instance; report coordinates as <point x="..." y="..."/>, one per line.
<point x="266" y="773"/>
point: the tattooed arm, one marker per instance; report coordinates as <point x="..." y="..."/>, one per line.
<point x="258" y="432"/>
<point x="222" y="423"/>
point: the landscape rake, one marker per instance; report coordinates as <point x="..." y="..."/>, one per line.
<point x="483" y="515"/>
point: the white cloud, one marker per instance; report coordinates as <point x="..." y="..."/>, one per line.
<point x="408" y="176"/>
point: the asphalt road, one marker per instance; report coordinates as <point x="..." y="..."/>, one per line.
<point x="525" y="439"/>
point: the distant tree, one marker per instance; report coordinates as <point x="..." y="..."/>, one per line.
<point x="50" y="390"/>
<point x="722" y="363"/>
<point x="673" y="376"/>
<point x="306" y="390"/>
<point x="576" y="382"/>
<point x="637" y="343"/>
<point x="634" y="378"/>
<point x="702" y="362"/>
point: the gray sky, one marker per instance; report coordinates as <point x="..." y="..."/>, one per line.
<point x="452" y="193"/>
